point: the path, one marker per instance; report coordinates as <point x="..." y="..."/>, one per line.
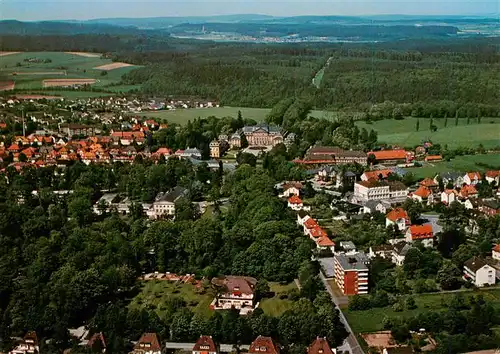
<point x="351" y="341"/>
<point x="316" y="81"/>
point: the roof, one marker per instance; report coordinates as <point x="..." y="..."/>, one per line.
<point x="433" y="157"/>
<point x="474" y="175"/>
<point x="173" y="195"/>
<point x="294" y="200"/>
<point x="400" y="350"/>
<point x="263" y="345"/>
<point x="310" y="223"/>
<point x="468" y="190"/>
<point x="402" y="248"/>
<point x="324" y="241"/>
<point x="31" y="335"/>
<point x="423" y="192"/>
<point x="318" y="232"/>
<point x="376" y="174"/>
<point x="205" y="343"/>
<point x="493" y="174"/>
<point x="319" y="346"/>
<point x="428" y="182"/>
<point x="496" y="248"/>
<point x="270" y="129"/>
<point x="97" y="337"/>
<point x="231" y="283"/>
<point x="421" y="231"/>
<point x="289" y="185"/>
<point x="357" y="261"/>
<point x="396" y="214"/>
<point x="475" y="263"/>
<point x="393" y="185"/>
<point x="149" y="341"/>
<point x="389" y="154"/>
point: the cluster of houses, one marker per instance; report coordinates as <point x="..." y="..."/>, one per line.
<point x="149" y="343"/>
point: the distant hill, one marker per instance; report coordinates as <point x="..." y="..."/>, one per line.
<point x="13" y="27"/>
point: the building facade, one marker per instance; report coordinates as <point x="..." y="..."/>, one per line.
<point x="351" y="273"/>
<point x="263" y="135"/>
<point x="380" y="190"/>
<point x="479" y="272"/>
<point x="236" y="292"/>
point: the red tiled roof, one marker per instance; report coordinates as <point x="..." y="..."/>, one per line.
<point x="319" y="346"/>
<point x="428" y="182"/>
<point x="263" y="345"/>
<point x="13" y="147"/>
<point x="474" y="175"/>
<point x="294" y="200"/>
<point x="389" y="154"/>
<point x="310" y="223"/>
<point x="164" y="151"/>
<point x="423" y="192"/>
<point x="205" y="344"/>
<point x="468" y="190"/>
<point x="397" y="213"/>
<point x="232" y="284"/>
<point x="433" y="157"/>
<point x="318" y="232"/>
<point x="128" y="135"/>
<point x="496" y="248"/>
<point x="493" y="174"/>
<point x="148" y="341"/>
<point x="419" y="232"/>
<point x="376" y="174"/>
<point x="325" y="242"/>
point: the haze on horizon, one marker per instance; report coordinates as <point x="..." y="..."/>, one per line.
<point x="35" y="10"/>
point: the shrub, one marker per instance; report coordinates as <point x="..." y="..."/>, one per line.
<point x="359" y="303"/>
<point x="397" y="307"/>
<point x="410" y="303"/>
<point x="283" y="296"/>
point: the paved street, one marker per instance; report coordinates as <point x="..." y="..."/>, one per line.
<point x="351" y="343"/>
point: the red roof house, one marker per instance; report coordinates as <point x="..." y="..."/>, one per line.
<point x="319" y="346"/>
<point x="420" y="233"/>
<point x="148" y="343"/>
<point x="422" y="193"/>
<point x="205" y="345"/>
<point x="468" y="191"/>
<point x="263" y="345"/>
<point x="389" y="155"/>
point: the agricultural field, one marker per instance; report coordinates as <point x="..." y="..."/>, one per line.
<point x="29" y="70"/>
<point x="182" y="116"/>
<point x="371" y="320"/>
<point x="403" y="132"/>
<point x="460" y="163"/>
<point x="155" y="293"/>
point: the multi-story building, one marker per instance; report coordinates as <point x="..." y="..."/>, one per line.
<point x="479" y="272"/>
<point x="234" y="292"/>
<point x="392" y="157"/>
<point x="205" y="345"/>
<point x="333" y="155"/>
<point x="147" y="344"/>
<point x="351" y="273"/>
<point x="399" y="217"/>
<point x="263" y="135"/>
<point x="393" y="191"/>
<point x="71" y="129"/>
<point x="263" y="345"/>
<point x="423" y="233"/>
<point x="472" y="178"/>
<point x="215" y="149"/>
<point x="29" y="345"/>
<point x="164" y="205"/>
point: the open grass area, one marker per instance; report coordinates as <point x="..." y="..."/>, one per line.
<point x="182" y="116"/>
<point x="155" y="293"/>
<point x="403" y="132"/>
<point x="57" y="65"/>
<point x="460" y="163"/>
<point x="276" y="306"/>
<point x="371" y="320"/>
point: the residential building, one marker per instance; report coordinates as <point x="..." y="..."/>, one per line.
<point x="376" y="175"/>
<point x="493" y="177"/>
<point x="391" y="157"/>
<point x="332" y="155"/>
<point x="399" y="252"/>
<point x="399" y="217"/>
<point x="430" y="183"/>
<point x="454" y="178"/>
<point x="291" y="188"/>
<point x="472" y="178"/>
<point x="163" y="151"/>
<point x="128" y="138"/>
<point x="234" y="292"/>
<point x="448" y="196"/>
<point x="393" y="191"/>
<point x="468" y="191"/>
<point x="351" y="273"/>
<point x="164" y="203"/>
<point x="348" y="247"/>
<point x="373" y="206"/>
<point x="320" y="346"/>
<point x="479" y="272"/>
<point x="423" y="233"/>
<point x="433" y="158"/>
<point x="490" y="207"/>
<point x="296" y="204"/>
<point x="147" y="344"/>
<point x="71" y="129"/>
<point x="423" y="195"/>
<point x="189" y="153"/>
<point x="235" y="140"/>
<point x="215" y="149"/>
<point x="29" y="345"/>
<point x="302" y="217"/>
<point x="205" y="345"/>
<point x="495" y="252"/>
<point x="384" y="251"/>
<point x="263" y="135"/>
<point x="263" y="345"/>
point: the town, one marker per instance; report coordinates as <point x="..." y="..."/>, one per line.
<point x="370" y="235"/>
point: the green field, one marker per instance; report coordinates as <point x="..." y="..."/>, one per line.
<point x="403" y="132"/>
<point x="154" y="294"/>
<point x="276" y="306"/>
<point x="182" y="116"/>
<point x="460" y="163"/>
<point x="62" y="66"/>
<point x="371" y="320"/>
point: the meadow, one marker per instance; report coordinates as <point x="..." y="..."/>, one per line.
<point x="57" y="65"/>
<point x="371" y="320"/>
<point x="403" y="132"/>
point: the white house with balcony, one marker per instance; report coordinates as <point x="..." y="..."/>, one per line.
<point x="479" y="272"/>
<point x="236" y="292"/>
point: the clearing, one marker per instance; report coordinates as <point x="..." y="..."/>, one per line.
<point x="182" y="116"/>
<point x="278" y="304"/>
<point x="67" y="82"/>
<point x="155" y="293"/>
<point x="84" y="54"/>
<point x="113" y="66"/>
<point x="371" y="320"/>
<point x="7" y="85"/>
<point x="3" y="54"/>
<point x="403" y="132"/>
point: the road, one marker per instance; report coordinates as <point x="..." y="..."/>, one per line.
<point x="351" y="343"/>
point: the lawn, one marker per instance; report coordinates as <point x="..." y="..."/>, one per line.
<point x="62" y="65"/>
<point x="275" y="306"/>
<point x="154" y="294"/>
<point x="182" y="116"/>
<point x="402" y="132"/>
<point x="460" y="163"/>
<point x="371" y="320"/>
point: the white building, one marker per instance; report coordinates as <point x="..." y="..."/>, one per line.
<point x="479" y="272"/>
<point x="165" y="203"/>
<point x="399" y="217"/>
<point x="472" y="178"/>
<point x="234" y="292"/>
<point x="365" y="191"/>
<point x="448" y="196"/>
<point x="495" y="252"/>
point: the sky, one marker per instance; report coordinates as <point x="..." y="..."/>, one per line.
<point x="33" y="10"/>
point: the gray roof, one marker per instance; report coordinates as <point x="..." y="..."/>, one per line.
<point x="475" y="263"/>
<point x="402" y="248"/>
<point x="173" y="195"/>
<point x="270" y="129"/>
<point x="358" y="261"/>
<point x="347" y="245"/>
<point x="450" y="175"/>
<point x="372" y="204"/>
